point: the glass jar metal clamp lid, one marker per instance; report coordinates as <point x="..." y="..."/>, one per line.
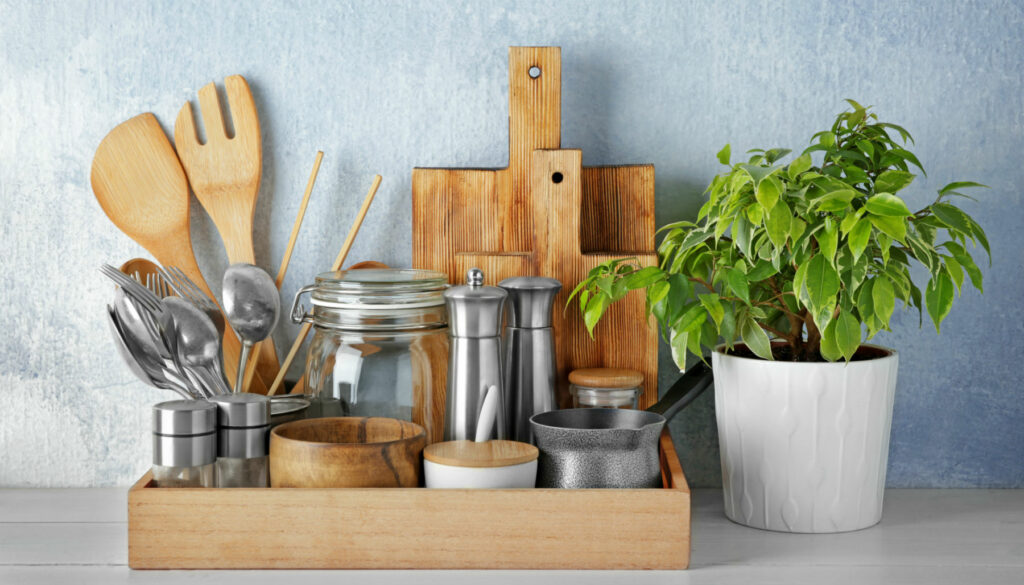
<point x="375" y="299"/>
<point x="184" y="433"/>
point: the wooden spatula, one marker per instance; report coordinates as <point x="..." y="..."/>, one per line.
<point x="140" y="185"/>
<point x="225" y="175"/>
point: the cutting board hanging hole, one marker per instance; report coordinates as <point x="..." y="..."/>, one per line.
<point x="557" y="178"/>
<point x="534" y="72"/>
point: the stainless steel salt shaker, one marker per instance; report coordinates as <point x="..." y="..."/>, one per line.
<point x="242" y="441"/>
<point x="184" y="443"/>
<point x="530" y="373"/>
<point x="475" y="321"/>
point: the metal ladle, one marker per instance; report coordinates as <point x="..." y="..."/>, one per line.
<point x="252" y="305"/>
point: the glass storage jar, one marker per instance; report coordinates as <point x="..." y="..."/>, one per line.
<point x="184" y="443"/>
<point x="605" y="388"/>
<point x="380" y="344"/>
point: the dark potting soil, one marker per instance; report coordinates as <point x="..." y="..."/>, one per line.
<point x="783" y="353"/>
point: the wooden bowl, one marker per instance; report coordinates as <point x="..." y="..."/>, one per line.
<point x="347" y="452"/>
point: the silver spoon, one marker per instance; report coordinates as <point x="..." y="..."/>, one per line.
<point x="252" y="304"/>
<point x="198" y="344"/>
<point x="145" y="335"/>
<point x="124" y="348"/>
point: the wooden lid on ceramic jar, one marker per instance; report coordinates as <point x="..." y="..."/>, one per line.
<point x="497" y="453"/>
<point x="606" y="378"/>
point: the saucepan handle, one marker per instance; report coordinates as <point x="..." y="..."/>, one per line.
<point x="684" y="391"/>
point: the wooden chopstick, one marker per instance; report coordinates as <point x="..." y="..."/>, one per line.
<point x="304" y="331"/>
<point x="254" y="358"/>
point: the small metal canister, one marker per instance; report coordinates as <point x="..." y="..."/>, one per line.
<point x="242" y="457"/>
<point x="184" y="443"/>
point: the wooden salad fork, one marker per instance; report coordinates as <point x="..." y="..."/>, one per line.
<point x="225" y="174"/>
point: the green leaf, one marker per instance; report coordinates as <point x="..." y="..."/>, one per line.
<point x="643" y="278"/>
<point x="768" y="192"/>
<point x="847" y="334"/>
<point x="894" y="227"/>
<point x="887" y="204"/>
<point x="755" y="338"/>
<point x="758" y="173"/>
<point x="713" y="306"/>
<point x="959" y="185"/>
<point x="828" y="348"/>
<point x="966" y="262"/>
<point x="866" y="307"/>
<point x="849" y="221"/>
<point x="677" y="343"/>
<point x="595" y="308"/>
<point x="858" y="237"/>
<point x="755" y="213"/>
<point x="827" y="240"/>
<point x="938" y="297"/>
<point x="893" y="181"/>
<point x="909" y="157"/>
<point x="797" y="229"/>
<point x="693" y="316"/>
<point x="741" y="233"/>
<point x="956" y="272"/>
<point x="679" y="293"/>
<point x="657" y="292"/>
<point x="800" y="283"/>
<point x="799" y="165"/>
<point x="724" y="155"/>
<point x="727" y="330"/>
<point x="835" y="201"/>
<point x="952" y="216"/>
<point x="778" y="222"/>
<point x="737" y="282"/>
<point x="883" y="298"/>
<point x="822" y="282"/>
<point x="761" y="271"/>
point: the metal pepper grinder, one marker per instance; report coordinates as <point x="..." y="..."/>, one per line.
<point x="475" y="320"/>
<point x="530" y="372"/>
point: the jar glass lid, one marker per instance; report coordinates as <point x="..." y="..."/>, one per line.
<point x="379" y="287"/>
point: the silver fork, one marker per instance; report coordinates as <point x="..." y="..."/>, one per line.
<point x="133" y="288"/>
<point x="188" y="290"/>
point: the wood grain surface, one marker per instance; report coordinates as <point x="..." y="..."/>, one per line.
<point x="606" y="378"/>
<point x="497" y="453"/>
<point x="347" y="452"/>
<point x="421" y="528"/>
<point x="527" y="220"/>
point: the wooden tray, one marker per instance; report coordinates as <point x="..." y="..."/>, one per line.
<point x="382" y="528"/>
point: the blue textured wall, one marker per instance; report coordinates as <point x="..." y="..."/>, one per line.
<point x="385" y="86"/>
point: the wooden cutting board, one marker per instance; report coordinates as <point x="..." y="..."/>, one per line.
<point x="546" y="214"/>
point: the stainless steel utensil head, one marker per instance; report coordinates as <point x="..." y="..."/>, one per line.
<point x="251" y="301"/>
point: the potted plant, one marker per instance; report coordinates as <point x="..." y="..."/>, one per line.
<point x="793" y="267"/>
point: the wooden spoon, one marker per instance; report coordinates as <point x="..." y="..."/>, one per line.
<point x="225" y="174"/>
<point x="140" y="185"/>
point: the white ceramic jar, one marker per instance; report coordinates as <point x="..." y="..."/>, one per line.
<point x="487" y="465"/>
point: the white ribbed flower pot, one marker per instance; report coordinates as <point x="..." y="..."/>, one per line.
<point x="804" y="445"/>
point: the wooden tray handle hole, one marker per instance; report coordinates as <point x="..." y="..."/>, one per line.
<point x="557" y="178"/>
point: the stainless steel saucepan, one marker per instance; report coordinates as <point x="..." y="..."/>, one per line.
<point x="609" y="447"/>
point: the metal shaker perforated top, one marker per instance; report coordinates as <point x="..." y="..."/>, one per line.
<point x="530" y="299"/>
<point x="475" y="309"/>
<point x="184" y="418"/>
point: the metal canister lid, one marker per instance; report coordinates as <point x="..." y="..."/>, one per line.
<point x="184" y="418"/>
<point x="530" y="300"/>
<point x="242" y="410"/>
<point x="474" y="309"/>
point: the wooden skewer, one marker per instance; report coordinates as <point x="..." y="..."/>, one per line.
<point x="255" y="355"/>
<point x="336" y="266"/>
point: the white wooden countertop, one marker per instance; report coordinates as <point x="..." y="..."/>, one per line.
<point x="79" y="536"/>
